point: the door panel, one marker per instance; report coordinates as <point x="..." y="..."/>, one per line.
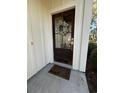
<point x="63" y="36"/>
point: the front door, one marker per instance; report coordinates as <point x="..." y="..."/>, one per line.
<point x="63" y="36"/>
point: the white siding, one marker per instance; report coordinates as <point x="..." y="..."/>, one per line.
<point x="40" y="32"/>
<point x="36" y="52"/>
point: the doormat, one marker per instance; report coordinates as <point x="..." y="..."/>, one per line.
<point x="60" y="71"/>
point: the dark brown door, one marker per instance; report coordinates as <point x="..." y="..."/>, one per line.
<point x="63" y="36"/>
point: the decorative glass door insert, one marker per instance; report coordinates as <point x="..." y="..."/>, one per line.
<point x="63" y="35"/>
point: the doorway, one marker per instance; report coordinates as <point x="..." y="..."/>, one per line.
<point x="63" y="36"/>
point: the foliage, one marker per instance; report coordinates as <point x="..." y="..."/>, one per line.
<point x="91" y="47"/>
<point x="94" y="9"/>
<point x="93" y="59"/>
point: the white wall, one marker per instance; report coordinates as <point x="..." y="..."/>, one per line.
<point x="48" y="39"/>
<point x="40" y="32"/>
<point x="36" y="52"/>
<point x="85" y="34"/>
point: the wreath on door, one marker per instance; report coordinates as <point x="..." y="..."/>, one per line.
<point x="62" y="27"/>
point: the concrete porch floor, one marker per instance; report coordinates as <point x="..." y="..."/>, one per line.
<point x="44" y="82"/>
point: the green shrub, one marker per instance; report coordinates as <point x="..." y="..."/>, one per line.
<point x="91" y="46"/>
<point x="93" y="59"/>
<point x="92" y="56"/>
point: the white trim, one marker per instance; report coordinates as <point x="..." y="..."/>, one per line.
<point x="62" y="10"/>
<point x="77" y="34"/>
<point x="80" y="40"/>
<point x="59" y="11"/>
<point x="85" y="34"/>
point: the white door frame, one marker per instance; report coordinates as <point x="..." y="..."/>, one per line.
<point x="83" y="11"/>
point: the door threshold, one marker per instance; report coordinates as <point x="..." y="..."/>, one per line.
<point x="63" y="65"/>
